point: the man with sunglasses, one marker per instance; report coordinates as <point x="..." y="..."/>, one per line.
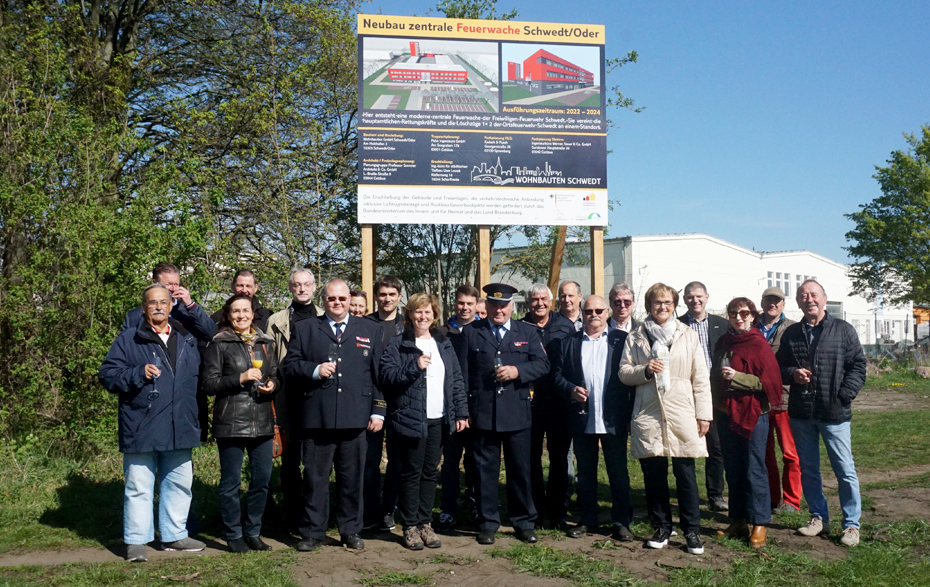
<point x="153" y="369"/>
<point x="331" y="369"/>
<point x="587" y="373"/>
<point x="621" y="303"/>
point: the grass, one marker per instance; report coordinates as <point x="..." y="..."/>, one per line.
<point x="899" y="379"/>
<point x="580" y="569"/>
<point x="265" y="569"/>
<point x="391" y="578"/>
<point x="888" y="441"/>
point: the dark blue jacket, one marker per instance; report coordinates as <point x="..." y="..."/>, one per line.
<point x="194" y="319"/>
<point x="546" y="402"/>
<point x="404" y="385"/>
<point x="509" y="410"/>
<point x="350" y="397"/>
<point x="618" y="397"/>
<point x="147" y="421"/>
<point x="838" y="370"/>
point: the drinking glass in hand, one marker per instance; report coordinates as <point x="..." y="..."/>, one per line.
<point x="258" y="359"/>
<point x="156" y="360"/>
<point x="498" y="363"/>
<point x="332" y="356"/>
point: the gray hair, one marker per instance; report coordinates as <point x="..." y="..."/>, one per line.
<point x="618" y="289"/>
<point x="537" y="289"/>
<point x="154" y="286"/>
<point x="296" y="270"/>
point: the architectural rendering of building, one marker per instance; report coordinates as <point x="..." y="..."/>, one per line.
<point x="545" y="73"/>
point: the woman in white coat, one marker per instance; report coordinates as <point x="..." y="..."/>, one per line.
<point x="672" y="411"/>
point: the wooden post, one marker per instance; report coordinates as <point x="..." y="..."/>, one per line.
<point x="368" y="264"/>
<point x="555" y="263"/>
<point x="484" y="256"/>
<point x="597" y="260"/>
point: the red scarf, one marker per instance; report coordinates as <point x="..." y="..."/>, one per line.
<point x="750" y="354"/>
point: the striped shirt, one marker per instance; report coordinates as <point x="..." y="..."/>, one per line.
<point x="702" y="331"/>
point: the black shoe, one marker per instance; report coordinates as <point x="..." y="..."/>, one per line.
<point x="486" y="537"/>
<point x="693" y="539"/>
<point x="718" y="504"/>
<point x="387" y="523"/>
<point x="371" y="524"/>
<point x="622" y="533"/>
<point x="577" y="531"/>
<point x="309" y="545"/>
<point x="256" y="543"/>
<point x="445" y="524"/>
<point x="659" y="539"/>
<point x="353" y="541"/>
<point x="238" y="546"/>
<point x="528" y="536"/>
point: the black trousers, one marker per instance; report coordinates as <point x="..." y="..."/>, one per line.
<point x="452" y="451"/>
<point x="237" y="523"/>
<point x="381" y="500"/>
<point x="618" y="475"/>
<point x="320" y="451"/>
<point x="713" y="464"/>
<point x="655" y="479"/>
<point x="551" y="497"/>
<point x="419" y="473"/>
<point x="516" y="445"/>
<point x="746" y="472"/>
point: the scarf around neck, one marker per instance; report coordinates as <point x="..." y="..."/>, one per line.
<point x="750" y="353"/>
<point x="662" y="336"/>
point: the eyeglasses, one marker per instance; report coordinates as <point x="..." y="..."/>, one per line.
<point x="658" y="304"/>
<point x="339" y="298"/>
<point x="598" y="311"/>
<point x="619" y="302"/>
<point x="158" y="303"/>
<point x="742" y="314"/>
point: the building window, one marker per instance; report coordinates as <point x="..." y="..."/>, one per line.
<point x="771" y="283"/>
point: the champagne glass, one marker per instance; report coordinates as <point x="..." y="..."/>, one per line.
<point x="428" y="365"/>
<point x="258" y="359"/>
<point x="583" y="406"/>
<point x="806" y="365"/>
<point x="497" y="364"/>
<point x="156" y="360"/>
<point x="332" y="356"/>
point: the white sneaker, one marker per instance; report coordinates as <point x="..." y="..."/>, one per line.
<point x="816" y="527"/>
<point x="850" y="536"/>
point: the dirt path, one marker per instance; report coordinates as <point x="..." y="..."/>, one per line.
<point x="890" y="398"/>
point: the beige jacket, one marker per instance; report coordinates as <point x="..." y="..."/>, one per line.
<point x="279" y="328"/>
<point x="667" y="425"/>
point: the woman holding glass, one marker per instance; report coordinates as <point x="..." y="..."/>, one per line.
<point x="422" y="382"/>
<point x="240" y="369"/>
<point x="745" y="382"/>
<point x="672" y="410"/>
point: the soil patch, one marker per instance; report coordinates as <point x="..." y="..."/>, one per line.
<point x="890" y="398"/>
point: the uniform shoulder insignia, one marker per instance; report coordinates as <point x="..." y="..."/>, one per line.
<point x="380" y="403"/>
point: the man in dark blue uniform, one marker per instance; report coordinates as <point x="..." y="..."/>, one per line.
<point x="331" y="365"/>
<point x="500" y="357"/>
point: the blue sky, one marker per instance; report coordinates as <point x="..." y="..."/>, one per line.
<point x="763" y="124"/>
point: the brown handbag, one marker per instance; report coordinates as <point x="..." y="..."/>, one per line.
<point x="279" y="444"/>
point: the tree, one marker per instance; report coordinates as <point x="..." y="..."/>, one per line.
<point x="891" y="239"/>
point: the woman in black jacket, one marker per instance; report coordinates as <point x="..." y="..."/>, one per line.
<point x="240" y="369"/>
<point x="422" y="382"/>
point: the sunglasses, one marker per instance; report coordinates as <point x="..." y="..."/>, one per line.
<point x="335" y="298"/>
<point x="618" y="302"/>
<point x="742" y="314"/>
<point x="597" y="311"/>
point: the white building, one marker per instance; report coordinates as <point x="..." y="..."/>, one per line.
<point x="728" y="271"/>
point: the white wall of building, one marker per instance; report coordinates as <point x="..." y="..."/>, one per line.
<point x="729" y="271"/>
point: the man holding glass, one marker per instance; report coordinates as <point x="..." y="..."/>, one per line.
<point x="331" y="369"/>
<point x="587" y="373"/>
<point x="153" y="368"/>
<point x="500" y="357"/>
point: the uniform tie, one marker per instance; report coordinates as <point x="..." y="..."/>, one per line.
<point x="339" y="326"/>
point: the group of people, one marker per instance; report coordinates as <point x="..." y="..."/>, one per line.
<point x="436" y="397"/>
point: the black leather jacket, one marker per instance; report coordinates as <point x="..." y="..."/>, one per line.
<point x="240" y="411"/>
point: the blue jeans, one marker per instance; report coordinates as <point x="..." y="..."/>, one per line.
<point x="836" y="438"/>
<point x="175" y="475"/>
<point x="744" y="460"/>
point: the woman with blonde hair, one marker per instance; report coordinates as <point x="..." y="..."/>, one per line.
<point x="422" y="382"/>
<point x="672" y="411"/>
